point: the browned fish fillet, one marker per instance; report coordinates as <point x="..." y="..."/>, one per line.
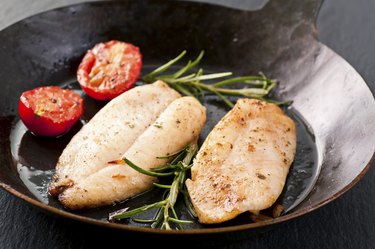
<point x="243" y="163"/>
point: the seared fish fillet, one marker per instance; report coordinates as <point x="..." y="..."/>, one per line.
<point x="243" y="163"/>
<point x="141" y="124"/>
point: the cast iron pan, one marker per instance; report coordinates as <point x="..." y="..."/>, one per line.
<point x="332" y="106"/>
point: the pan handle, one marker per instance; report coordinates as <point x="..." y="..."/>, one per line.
<point x="294" y="10"/>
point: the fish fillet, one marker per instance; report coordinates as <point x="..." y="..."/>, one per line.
<point x="243" y="163"/>
<point x="110" y="133"/>
<point x="141" y="124"/>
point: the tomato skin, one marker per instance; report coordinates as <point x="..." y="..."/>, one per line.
<point x="50" y="111"/>
<point x="109" y="69"/>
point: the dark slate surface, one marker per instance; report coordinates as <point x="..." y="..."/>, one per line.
<point x="349" y="222"/>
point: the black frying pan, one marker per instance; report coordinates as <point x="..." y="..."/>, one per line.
<point x="332" y="106"/>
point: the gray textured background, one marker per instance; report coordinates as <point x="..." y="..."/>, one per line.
<point x="347" y="27"/>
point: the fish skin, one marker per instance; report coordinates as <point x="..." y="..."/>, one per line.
<point x="110" y="133"/>
<point x="243" y="163"/>
<point x="178" y="124"/>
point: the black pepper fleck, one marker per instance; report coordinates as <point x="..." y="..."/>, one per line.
<point x="260" y="176"/>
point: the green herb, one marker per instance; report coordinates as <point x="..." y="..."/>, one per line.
<point x="258" y="87"/>
<point x="166" y="214"/>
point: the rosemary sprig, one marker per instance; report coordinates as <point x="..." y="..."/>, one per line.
<point x="192" y="84"/>
<point x="166" y="214"/>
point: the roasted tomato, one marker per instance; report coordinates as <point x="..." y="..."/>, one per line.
<point x="109" y="69"/>
<point x="50" y="110"/>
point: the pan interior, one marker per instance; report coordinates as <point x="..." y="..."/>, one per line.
<point x="35" y="159"/>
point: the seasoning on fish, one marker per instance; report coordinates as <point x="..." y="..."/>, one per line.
<point x="243" y="163"/>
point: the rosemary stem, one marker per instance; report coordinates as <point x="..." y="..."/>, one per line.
<point x="191" y="84"/>
<point x="146" y="172"/>
<point x="253" y="80"/>
<point x="247" y="92"/>
<point x="164" y="67"/>
<point x="136" y="211"/>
